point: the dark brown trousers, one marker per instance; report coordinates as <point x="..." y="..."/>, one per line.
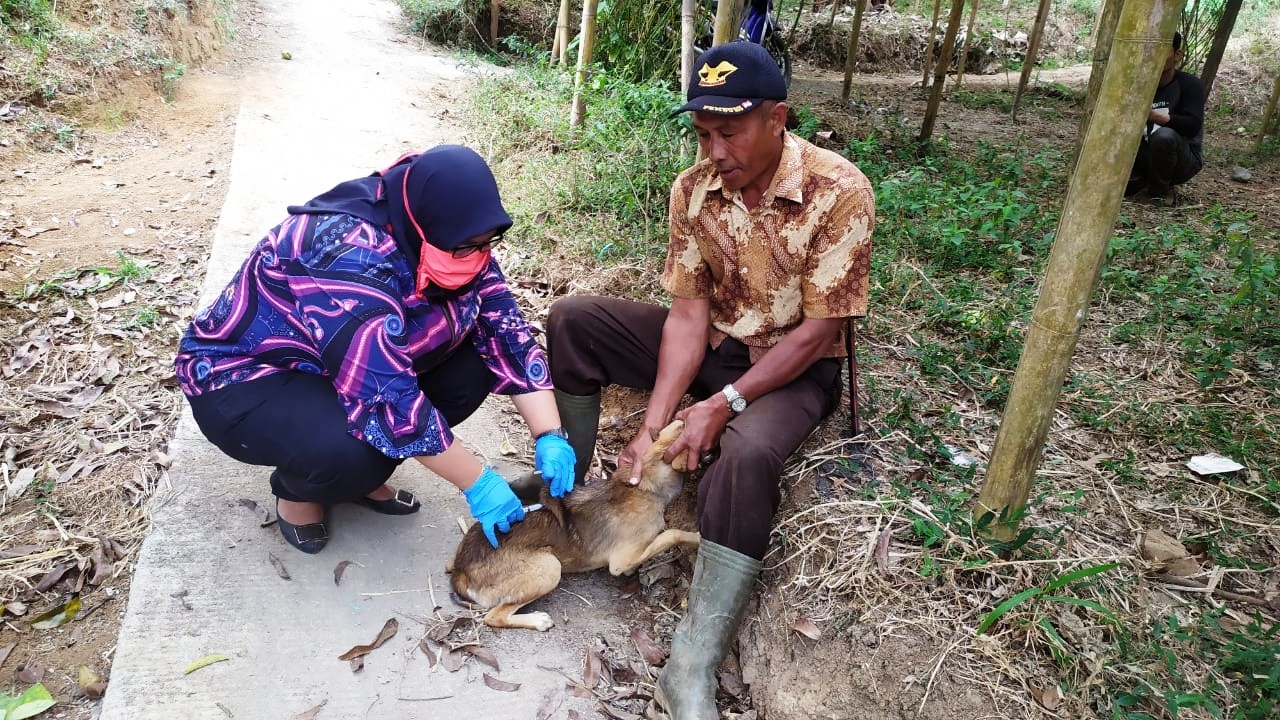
<point x="595" y="342"/>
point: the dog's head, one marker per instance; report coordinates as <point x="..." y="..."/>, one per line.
<point x="656" y="475"/>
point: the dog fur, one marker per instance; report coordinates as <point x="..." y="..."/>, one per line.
<point x="604" y="524"/>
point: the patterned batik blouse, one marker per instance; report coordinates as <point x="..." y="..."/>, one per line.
<point x="332" y="295"/>
<point x="804" y="251"/>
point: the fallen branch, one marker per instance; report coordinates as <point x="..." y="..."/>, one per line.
<point x="1225" y="594"/>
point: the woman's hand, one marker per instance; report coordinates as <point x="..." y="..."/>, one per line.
<point x="554" y="457"/>
<point x="493" y="504"/>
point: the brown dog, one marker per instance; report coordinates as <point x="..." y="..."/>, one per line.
<point x="609" y="523"/>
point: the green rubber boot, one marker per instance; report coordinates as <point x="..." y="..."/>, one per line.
<point x="722" y="583"/>
<point x="580" y="416"/>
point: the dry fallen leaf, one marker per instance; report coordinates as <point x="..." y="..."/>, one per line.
<point x="616" y="713"/>
<point x="425" y="646"/>
<point x="591" y="669"/>
<point x="882" y="551"/>
<point x="500" y="685"/>
<point x="264" y="517"/>
<point x="647" y="648"/>
<point x="311" y="714"/>
<point x="340" y="568"/>
<point x="482" y="655"/>
<point x="90" y="684"/>
<point x="1159" y="547"/>
<point x="389" y="629"/>
<point x="279" y="566"/>
<point x="52" y="577"/>
<point x="4" y="651"/>
<point x="506" y="448"/>
<point x="453" y="660"/>
<point x="29" y="673"/>
<point x="805" y="627"/>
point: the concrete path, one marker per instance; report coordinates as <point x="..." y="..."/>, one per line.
<point x="354" y="96"/>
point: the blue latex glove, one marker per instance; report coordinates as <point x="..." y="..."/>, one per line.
<point x="493" y="504"/>
<point x="554" y="457"/>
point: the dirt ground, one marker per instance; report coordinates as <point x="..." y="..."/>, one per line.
<point x="142" y="185"/>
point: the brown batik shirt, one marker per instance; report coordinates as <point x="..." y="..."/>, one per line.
<point x="803" y="252"/>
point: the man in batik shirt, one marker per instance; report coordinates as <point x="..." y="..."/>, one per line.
<point x="768" y="257"/>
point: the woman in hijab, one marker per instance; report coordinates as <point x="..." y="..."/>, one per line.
<point x="358" y="332"/>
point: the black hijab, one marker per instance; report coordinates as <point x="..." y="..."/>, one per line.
<point x="443" y="196"/>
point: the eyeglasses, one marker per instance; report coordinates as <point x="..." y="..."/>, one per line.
<point x="464" y="250"/>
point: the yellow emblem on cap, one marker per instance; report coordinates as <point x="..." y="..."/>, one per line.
<point x="712" y="76"/>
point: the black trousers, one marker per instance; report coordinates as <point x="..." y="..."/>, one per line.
<point x="295" y="423"/>
<point x="595" y="342"/>
<point x="1164" y="159"/>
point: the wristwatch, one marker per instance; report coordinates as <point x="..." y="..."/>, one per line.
<point x="558" y="432"/>
<point x="737" y="403"/>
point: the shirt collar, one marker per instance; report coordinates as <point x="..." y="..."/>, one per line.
<point x="787" y="180"/>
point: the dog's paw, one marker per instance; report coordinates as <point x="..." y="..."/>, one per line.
<point x="539" y="621"/>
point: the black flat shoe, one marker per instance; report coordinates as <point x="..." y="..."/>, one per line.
<point x="403" y="503"/>
<point x="310" y="538"/>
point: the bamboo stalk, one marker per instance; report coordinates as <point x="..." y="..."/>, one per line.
<point x="1266" y="117"/>
<point x="1033" y="51"/>
<point x="1221" y="35"/>
<point x="727" y="15"/>
<point x="561" y="54"/>
<point x="851" y="53"/>
<point x="1075" y="261"/>
<point x="688" y="18"/>
<point x="586" y="46"/>
<point x="1106" y="33"/>
<point x="940" y="75"/>
<point x="493" y="24"/>
<point x="933" y="39"/>
<point x="964" y="51"/>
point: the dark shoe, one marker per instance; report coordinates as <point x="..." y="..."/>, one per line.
<point x="1135" y="186"/>
<point x="580" y="416"/>
<point x="310" y="538"/>
<point x="403" y="503"/>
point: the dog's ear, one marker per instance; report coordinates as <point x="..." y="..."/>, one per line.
<point x="682" y="463"/>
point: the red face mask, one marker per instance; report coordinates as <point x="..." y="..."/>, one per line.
<point x="442" y="269"/>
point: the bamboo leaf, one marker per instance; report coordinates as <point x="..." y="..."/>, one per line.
<point x="58" y="616"/>
<point x="1005" y="607"/>
<point x="1081" y="602"/>
<point x="1080" y="574"/>
<point x="203" y="662"/>
<point x="35" y="700"/>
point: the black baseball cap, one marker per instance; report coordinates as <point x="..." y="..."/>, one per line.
<point x="733" y="79"/>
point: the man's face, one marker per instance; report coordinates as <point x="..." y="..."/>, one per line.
<point x="743" y="147"/>
<point x="1175" y="57"/>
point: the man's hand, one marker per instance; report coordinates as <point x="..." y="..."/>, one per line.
<point x="704" y="423"/>
<point x="1158" y="116"/>
<point x="633" y="453"/>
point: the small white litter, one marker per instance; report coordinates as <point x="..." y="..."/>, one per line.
<point x="1213" y="464"/>
<point x="958" y="456"/>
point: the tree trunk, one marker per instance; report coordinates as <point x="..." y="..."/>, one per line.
<point x="933" y="39"/>
<point x="1221" y="35"/>
<point x="964" y="51"/>
<point x="944" y="62"/>
<point x="1266" y="117"/>
<point x="493" y="24"/>
<point x="688" y="16"/>
<point x="1075" y="262"/>
<point x="561" y="55"/>
<point x="1033" y="51"/>
<point x="586" y="46"/>
<point x="851" y="53"/>
<point x="727" y="17"/>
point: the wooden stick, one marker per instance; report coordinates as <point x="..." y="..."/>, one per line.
<point x="851" y="53"/>
<point x="1190" y="584"/>
<point x="964" y="51"/>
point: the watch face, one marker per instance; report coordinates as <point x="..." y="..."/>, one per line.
<point x="738" y="404"/>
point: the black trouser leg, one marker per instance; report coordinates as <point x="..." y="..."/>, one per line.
<point x="295" y="422"/>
